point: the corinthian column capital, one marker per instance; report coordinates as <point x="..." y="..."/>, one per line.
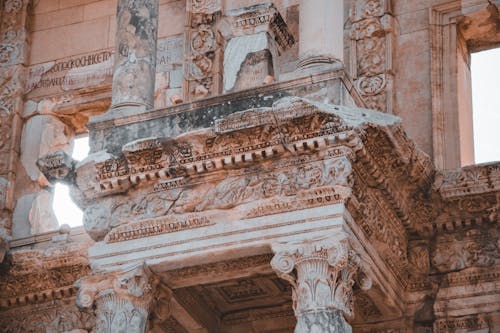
<point x="122" y="299"/>
<point x="322" y="273"/>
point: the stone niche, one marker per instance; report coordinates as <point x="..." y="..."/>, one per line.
<point x="255" y="37"/>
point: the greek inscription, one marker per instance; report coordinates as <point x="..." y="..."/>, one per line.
<point x="83" y="61"/>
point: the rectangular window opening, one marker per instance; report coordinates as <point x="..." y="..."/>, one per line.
<point x="65" y="210"/>
<point x="485" y="77"/>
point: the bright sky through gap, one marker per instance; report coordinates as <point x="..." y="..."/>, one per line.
<point x="485" y="71"/>
<point x="64" y="208"/>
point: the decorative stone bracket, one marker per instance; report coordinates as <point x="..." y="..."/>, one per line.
<point x="123" y="300"/>
<point x="322" y="274"/>
<point x="57" y="166"/>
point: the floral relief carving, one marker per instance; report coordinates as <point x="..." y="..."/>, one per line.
<point x="371" y="35"/>
<point x="322" y="274"/>
<point x="203" y="60"/>
<point x="122" y="299"/>
<point x="10" y="89"/>
<point x="13" y="6"/>
<point x="477" y="249"/>
<point x="5" y="129"/>
<point x="371" y="85"/>
<point x="58" y="316"/>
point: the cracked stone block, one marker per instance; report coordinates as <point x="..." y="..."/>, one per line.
<point x="42" y="135"/>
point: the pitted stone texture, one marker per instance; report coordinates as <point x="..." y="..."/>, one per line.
<point x="257" y="35"/>
<point x="42" y="135"/>
<point x="122" y="299"/>
<point x="240" y="55"/>
<point x="322" y="322"/>
<point x="57" y="166"/>
<point x="135" y="54"/>
<point x="4" y="182"/>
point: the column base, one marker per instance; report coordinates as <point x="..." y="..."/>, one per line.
<point x="327" y="321"/>
<point x="122" y="110"/>
<point x="313" y="65"/>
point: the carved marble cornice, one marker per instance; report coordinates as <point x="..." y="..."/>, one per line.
<point x="260" y="18"/>
<point x="297" y="154"/>
<point x="42" y="275"/>
<point x="470" y="197"/>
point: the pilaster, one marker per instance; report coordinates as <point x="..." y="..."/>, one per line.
<point x="322" y="273"/>
<point x="14" y="47"/>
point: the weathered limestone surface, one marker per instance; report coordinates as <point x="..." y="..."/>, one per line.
<point x="325" y="273"/>
<point x="135" y="54"/>
<point x="122" y="300"/>
<point x="281" y="204"/>
<point x="255" y="37"/>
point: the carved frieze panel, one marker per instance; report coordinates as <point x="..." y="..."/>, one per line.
<point x="469" y="180"/>
<point x="292" y="156"/>
<point x="203" y="50"/>
<point x="37" y="276"/>
<point x="463" y="324"/>
<point x="473" y="248"/>
<point x="53" y="316"/>
<point x="371" y="52"/>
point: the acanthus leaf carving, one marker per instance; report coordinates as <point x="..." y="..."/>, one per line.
<point x="123" y="299"/>
<point x="322" y="273"/>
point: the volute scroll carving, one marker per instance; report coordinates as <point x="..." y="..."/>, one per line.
<point x="122" y="300"/>
<point x="322" y="274"/>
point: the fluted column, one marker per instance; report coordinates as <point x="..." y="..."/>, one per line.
<point x="321" y="38"/>
<point x="135" y="55"/>
<point x="322" y="274"/>
<point x="122" y="300"/>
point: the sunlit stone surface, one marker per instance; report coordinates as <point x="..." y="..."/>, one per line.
<point x="293" y="166"/>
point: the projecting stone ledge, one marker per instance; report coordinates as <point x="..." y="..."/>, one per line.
<point x="319" y="168"/>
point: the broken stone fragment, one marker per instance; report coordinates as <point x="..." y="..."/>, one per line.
<point x="57" y="166"/>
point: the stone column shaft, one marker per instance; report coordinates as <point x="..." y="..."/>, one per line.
<point x="322" y="274"/>
<point x="135" y="55"/>
<point x="321" y="32"/>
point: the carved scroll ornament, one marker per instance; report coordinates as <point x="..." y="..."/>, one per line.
<point x="322" y="274"/>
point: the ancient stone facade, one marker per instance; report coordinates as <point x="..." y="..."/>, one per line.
<point x="285" y="166"/>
